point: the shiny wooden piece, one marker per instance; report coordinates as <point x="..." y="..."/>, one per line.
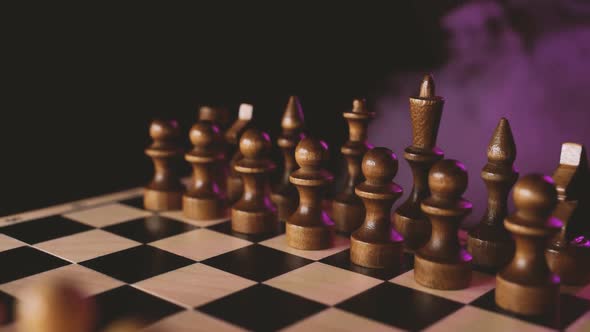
<point x="425" y="113"/>
<point x="348" y="210"/>
<point x="375" y="244"/>
<point x="254" y="213"/>
<point x="235" y="186"/>
<point x="441" y="263"/>
<point x="568" y="255"/>
<point x="489" y="243"/>
<point x="219" y="116"/>
<point x="284" y="194"/>
<point x="164" y="192"/>
<point x="310" y="227"/>
<point x="526" y="286"/>
<point x="203" y="200"/>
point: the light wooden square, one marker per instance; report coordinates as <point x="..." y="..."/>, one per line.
<point x="280" y="243"/>
<point x="581" y="324"/>
<point x="323" y="283"/>
<point x="107" y="215"/>
<point x="480" y="284"/>
<point x="194" y="285"/>
<point x="7" y="243"/>
<point x="191" y="321"/>
<point x="200" y="244"/>
<point x="337" y="320"/>
<point x="178" y="215"/>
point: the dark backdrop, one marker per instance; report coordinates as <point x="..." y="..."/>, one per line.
<point x="82" y="84"/>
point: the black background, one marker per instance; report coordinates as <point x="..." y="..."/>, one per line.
<point x="82" y="83"/>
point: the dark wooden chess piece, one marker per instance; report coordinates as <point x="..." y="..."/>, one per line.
<point x="235" y="186"/>
<point x="489" y="243"/>
<point x="375" y="244"/>
<point x="203" y="199"/>
<point x="284" y="194"/>
<point x="216" y="115"/>
<point x="254" y="213"/>
<point x="568" y="255"/>
<point x="348" y="211"/>
<point x="442" y="263"/>
<point x="164" y="192"/>
<point x="219" y="116"/>
<point x="310" y="227"/>
<point x="425" y="113"/>
<point x="526" y="286"/>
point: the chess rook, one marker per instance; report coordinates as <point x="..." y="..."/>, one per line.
<point x="442" y="263"/>
<point x="425" y="113"/>
<point x="348" y="211"/>
<point x="164" y="192"/>
<point x="284" y="194"/>
<point x="375" y="244"/>
<point x="203" y="199"/>
<point x="254" y="213"/>
<point x="235" y="186"/>
<point x="526" y="286"/>
<point x="310" y="227"/>
<point x="569" y="252"/>
<point x="489" y="243"/>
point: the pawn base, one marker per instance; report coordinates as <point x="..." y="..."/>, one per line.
<point x="526" y="300"/>
<point x="415" y="231"/>
<point x="568" y="264"/>
<point x="443" y="276"/>
<point x="202" y="209"/>
<point x="376" y="255"/>
<point x="490" y="254"/>
<point x="156" y="200"/>
<point x="347" y="217"/>
<point x="248" y="222"/>
<point x="310" y="237"/>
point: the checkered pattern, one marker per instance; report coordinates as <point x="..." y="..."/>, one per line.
<point x="176" y="274"/>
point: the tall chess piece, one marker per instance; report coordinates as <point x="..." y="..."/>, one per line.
<point x="348" y="211"/>
<point x="568" y="255"/>
<point x="285" y="195"/>
<point x="489" y="243"/>
<point x="526" y="286"/>
<point x="375" y="244"/>
<point x="164" y="192"/>
<point x="235" y="186"/>
<point x="254" y="213"/>
<point x="425" y="113"/>
<point x="441" y="263"/>
<point x="218" y="116"/>
<point x="203" y="199"/>
<point x="310" y="227"/>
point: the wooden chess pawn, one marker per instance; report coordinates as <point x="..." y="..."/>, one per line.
<point x="375" y="244"/>
<point x="442" y="263"/>
<point x="164" y="192"/>
<point x="568" y="254"/>
<point x="284" y="194"/>
<point x="203" y="199"/>
<point x="526" y="286"/>
<point x="489" y="243"/>
<point x="254" y="213"/>
<point x="310" y="227"/>
<point x="235" y="186"/>
<point x="425" y="113"/>
<point x="348" y="211"/>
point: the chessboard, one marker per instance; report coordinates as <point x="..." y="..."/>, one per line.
<point x="177" y="274"/>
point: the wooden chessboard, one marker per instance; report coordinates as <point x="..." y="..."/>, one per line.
<point x="183" y="275"/>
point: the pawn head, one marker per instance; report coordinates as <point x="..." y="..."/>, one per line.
<point x="535" y="195"/>
<point x="161" y="130"/>
<point x="379" y="165"/>
<point x="254" y="143"/>
<point x="311" y="152"/>
<point x="448" y="178"/>
<point x="204" y="134"/>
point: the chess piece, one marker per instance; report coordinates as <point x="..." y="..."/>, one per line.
<point x="218" y="116"/>
<point x="203" y="199"/>
<point x="425" y="113"/>
<point x="254" y="213"/>
<point x="310" y="227"/>
<point x="489" y="243"/>
<point x="54" y="306"/>
<point x="284" y="195"/>
<point x="126" y="325"/>
<point x="526" y="286"/>
<point x="164" y="192"/>
<point x="348" y="211"/>
<point x="568" y="254"/>
<point x="375" y="244"/>
<point x="442" y="263"/>
<point x="235" y="186"/>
